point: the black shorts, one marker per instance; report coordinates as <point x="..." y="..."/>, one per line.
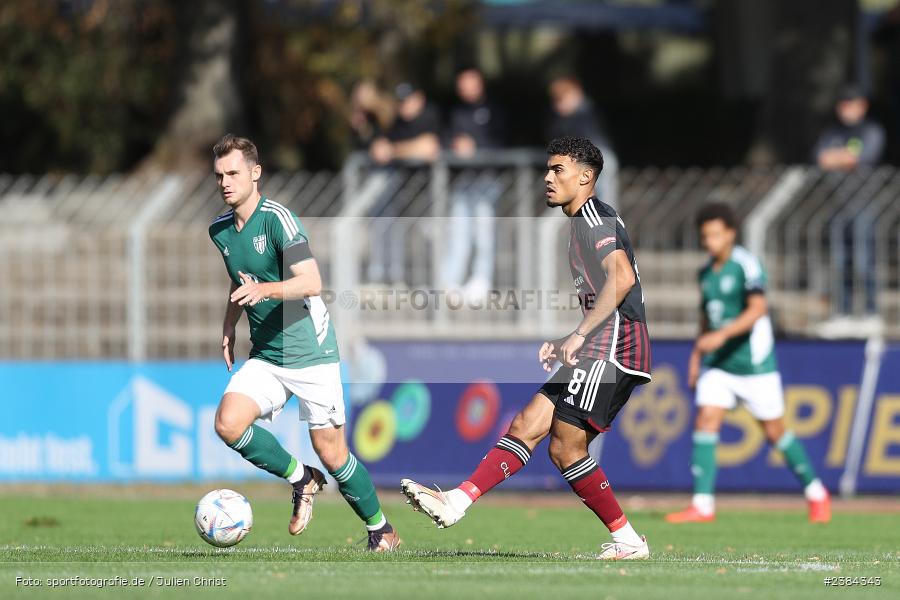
<point x="591" y="394"/>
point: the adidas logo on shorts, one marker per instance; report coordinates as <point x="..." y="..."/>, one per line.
<point x="570" y="400"/>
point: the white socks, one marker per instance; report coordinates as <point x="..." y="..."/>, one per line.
<point x="378" y="525"/>
<point x="458" y="499"/>
<point x="704" y="503"/>
<point x="815" y="491"/>
<point x="297" y="475"/>
<point x="626" y="535"/>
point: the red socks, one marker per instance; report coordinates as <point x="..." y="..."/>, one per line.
<point x="501" y="462"/>
<point x="589" y="481"/>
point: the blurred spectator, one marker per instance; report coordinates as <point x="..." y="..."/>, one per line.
<point x="371" y="112"/>
<point x="476" y="125"/>
<point x="414" y="133"/>
<point x="573" y="113"/>
<point x="854" y="141"/>
<point x="412" y="140"/>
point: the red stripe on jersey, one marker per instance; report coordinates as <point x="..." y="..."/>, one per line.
<point x="607" y="334"/>
<point x="585" y="270"/>
<point x="639" y="348"/>
<point x="633" y="348"/>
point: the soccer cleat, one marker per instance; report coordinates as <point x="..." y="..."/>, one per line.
<point x="690" y="515"/>
<point x="302" y="498"/>
<point x="820" y="510"/>
<point x="432" y="503"/>
<point x="620" y="551"/>
<point x="382" y="540"/>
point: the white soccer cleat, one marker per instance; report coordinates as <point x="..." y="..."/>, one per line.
<point x="433" y="503"/>
<point x="620" y="551"/>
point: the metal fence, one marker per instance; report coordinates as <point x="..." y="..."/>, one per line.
<point x="122" y="267"/>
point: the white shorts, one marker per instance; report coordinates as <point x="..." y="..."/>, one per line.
<point x="318" y="389"/>
<point x="761" y="394"/>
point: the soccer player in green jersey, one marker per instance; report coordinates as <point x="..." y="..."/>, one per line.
<point x="275" y="279"/>
<point x="734" y="358"/>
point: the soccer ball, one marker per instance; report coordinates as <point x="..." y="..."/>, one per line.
<point x="223" y="518"/>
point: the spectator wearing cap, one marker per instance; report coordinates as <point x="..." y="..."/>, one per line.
<point x="476" y="125"/>
<point x="414" y="134"/>
<point x="854" y="141"/>
<point x="411" y="142"/>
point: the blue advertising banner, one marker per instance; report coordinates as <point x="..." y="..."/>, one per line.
<point x="116" y="421"/>
<point x="430" y="411"/>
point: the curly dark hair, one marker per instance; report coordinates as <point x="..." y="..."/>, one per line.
<point x="579" y="149"/>
<point x="717" y="211"/>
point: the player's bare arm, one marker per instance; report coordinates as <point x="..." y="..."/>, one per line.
<point x="305" y="281"/>
<point x="757" y="307"/>
<point x="232" y="315"/>
<point x="426" y="144"/>
<point x="696" y="356"/>
<point x="620" y="280"/>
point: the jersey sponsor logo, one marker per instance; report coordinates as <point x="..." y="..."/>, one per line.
<point x="605" y="242"/>
<point x="259" y="243"/>
<point x="225" y="252"/>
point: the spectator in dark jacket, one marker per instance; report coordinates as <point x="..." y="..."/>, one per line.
<point x="410" y="143"/>
<point x="476" y="125"/>
<point x="855" y="140"/>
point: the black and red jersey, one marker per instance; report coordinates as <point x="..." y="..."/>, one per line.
<point x="623" y="339"/>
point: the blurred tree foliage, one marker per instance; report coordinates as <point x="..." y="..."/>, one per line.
<point x="303" y="68"/>
<point x="102" y="85"/>
<point x="83" y="85"/>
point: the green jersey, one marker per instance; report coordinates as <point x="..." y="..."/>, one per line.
<point x="725" y="294"/>
<point x="294" y="333"/>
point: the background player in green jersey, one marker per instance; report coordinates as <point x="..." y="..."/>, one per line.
<point x="276" y="280"/>
<point x="734" y="358"/>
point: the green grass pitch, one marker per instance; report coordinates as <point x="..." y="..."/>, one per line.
<point x="502" y="549"/>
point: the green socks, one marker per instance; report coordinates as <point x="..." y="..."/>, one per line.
<point x="356" y="486"/>
<point x="261" y="448"/>
<point x="796" y="458"/>
<point x="703" y="462"/>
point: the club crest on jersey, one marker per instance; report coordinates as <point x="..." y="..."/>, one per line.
<point x="259" y="242"/>
<point x="726" y="284"/>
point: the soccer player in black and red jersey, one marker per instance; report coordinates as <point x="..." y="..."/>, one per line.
<point x="603" y="359"/>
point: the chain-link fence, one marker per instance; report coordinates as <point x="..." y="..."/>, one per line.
<point x="122" y="267"/>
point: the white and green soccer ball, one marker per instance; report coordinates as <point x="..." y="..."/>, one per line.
<point x="223" y="518"/>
